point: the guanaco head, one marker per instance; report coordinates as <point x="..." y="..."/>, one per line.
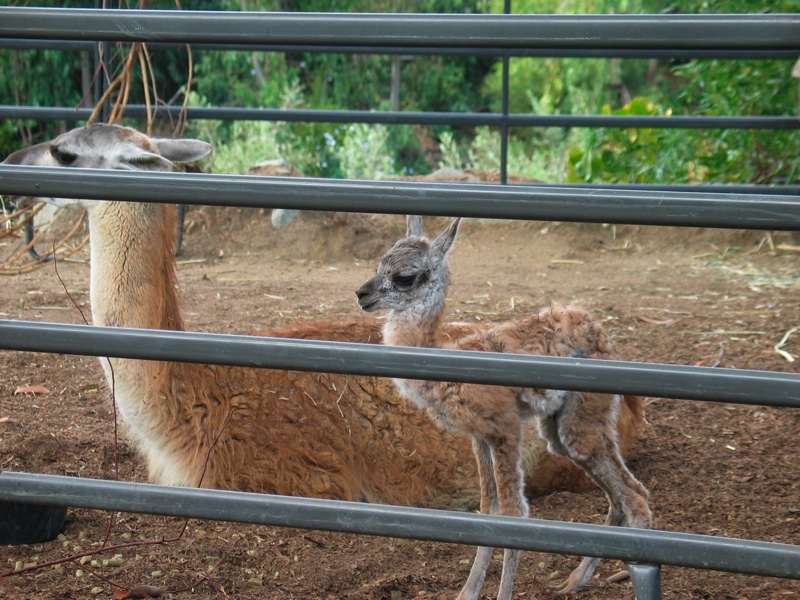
<point x="412" y="272"/>
<point x="108" y="147"/>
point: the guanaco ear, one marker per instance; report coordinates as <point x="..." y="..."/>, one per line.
<point x="414" y="226"/>
<point x="38" y="155"/>
<point x="442" y="244"/>
<point x="182" y="151"/>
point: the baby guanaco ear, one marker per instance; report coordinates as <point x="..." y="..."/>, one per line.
<point x="414" y="226"/>
<point x="442" y="244"/>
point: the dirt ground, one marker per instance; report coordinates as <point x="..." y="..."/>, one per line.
<point x="682" y="296"/>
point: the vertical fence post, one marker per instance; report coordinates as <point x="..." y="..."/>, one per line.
<point x="646" y="581"/>
<point x="102" y="58"/>
<point x="504" y="110"/>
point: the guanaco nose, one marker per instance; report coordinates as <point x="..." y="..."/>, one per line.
<point x="364" y="293"/>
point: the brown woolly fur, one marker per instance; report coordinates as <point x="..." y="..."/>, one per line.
<point x="308" y="434"/>
<point x="412" y="282"/>
<point x="558" y="473"/>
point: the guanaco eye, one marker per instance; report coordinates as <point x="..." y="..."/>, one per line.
<point x="404" y="282"/>
<point x="63" y="158"/>
<point x="145" y="159"/>
<point x="148" y="160"/>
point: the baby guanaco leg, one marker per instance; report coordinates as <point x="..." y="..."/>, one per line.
<point x="584" y="435"/>
<point x="489" y="506"/>
<point x="508" y="475"/>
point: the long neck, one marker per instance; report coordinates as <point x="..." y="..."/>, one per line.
<point x="133" y="266"/>
<point x="133" y="284"/>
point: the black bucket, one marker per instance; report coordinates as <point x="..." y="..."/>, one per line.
<point x="22" y="523"/>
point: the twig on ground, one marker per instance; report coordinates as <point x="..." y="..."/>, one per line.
<point x="779" y="346"/>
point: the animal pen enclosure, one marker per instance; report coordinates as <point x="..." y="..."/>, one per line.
<point x="757" y="208"/>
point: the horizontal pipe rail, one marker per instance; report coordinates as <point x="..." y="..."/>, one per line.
<point x="630" y="545"/>
<point x="707" y="188"/>
<point x="596" y="205"/>
<point x="716" y="188"/>
<point x="722" y="53"/>
<point x="414" y="118"/>
<point x="739" y="386"/>
<point x="618" y="32"/>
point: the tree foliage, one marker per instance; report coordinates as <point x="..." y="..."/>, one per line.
<point x="711" y="87"/>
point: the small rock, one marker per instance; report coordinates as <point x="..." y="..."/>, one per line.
<point x="281" y="217"/>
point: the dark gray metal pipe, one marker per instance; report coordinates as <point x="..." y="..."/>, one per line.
<point x="716" y="189"/>
<point x="45" y="113"/>
<point x="619" y="32"/>
<point x="617" y="377"/>
<point x="646" y="580"/>
<point x="706" y="188"/>
<point x="630" y="545"/>
<point x="414" y="118"/>
<point x="727" y="54"/>
<point x="596" y="205"/>
<point x="475" y="119"/>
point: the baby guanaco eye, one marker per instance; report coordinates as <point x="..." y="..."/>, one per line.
<point x="63" y="158"/>
<point x="404" y="282"/>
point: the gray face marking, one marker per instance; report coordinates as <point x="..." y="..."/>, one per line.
<point x="401" y="278"/>
<point x="413" y="275"/>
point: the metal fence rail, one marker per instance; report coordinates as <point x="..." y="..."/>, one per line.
<point x="749" y="207"/>
<point x="754" y="32"/>
<point x="630" y="545"/>
<point x="387" y="117"/>
<point x="723" y="53"/>
<point x="611" y="376"/>
<point x="562" y="203"/>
